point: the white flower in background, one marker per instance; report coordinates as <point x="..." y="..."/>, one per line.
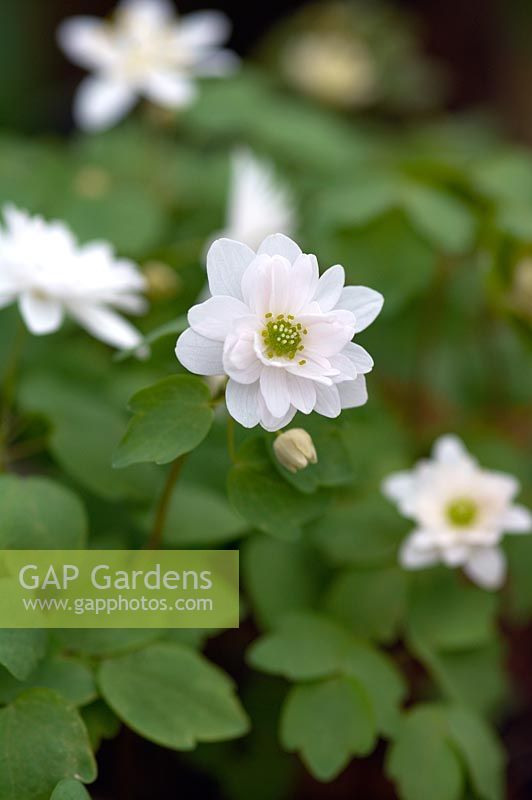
<point x="145" y="50"/>
<point x="461" y="510"/>
<point x="295" y="450"/>
<point x="279" y="332"/>
<point x="259" y="204"/>
<point x="332" y="67"/>
<point x="43" y="267"/>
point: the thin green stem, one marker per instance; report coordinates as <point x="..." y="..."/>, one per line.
<point x="161" y="512"/>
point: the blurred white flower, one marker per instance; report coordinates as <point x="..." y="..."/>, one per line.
<point x="462" y="512"/>
<point x="144" y="50"/>
<point x="279" y="332"/>
<point x="259" y="204"/>
<point x="335" y="68"/>
<point x="43" y="267"/>
<point x="295" y="450"/>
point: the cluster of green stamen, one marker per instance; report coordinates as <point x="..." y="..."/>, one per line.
<point x="462" y="511"/>
<point x="283" y="337"/>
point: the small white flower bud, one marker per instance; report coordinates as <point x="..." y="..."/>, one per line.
<point x="295" y="450"/>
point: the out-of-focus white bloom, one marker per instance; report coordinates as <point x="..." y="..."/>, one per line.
<point x="295" y="450"/>
<point x="279" y="332"/>
<point x="43" y="267"/>
<point x="144" y="51"/>
<point x="259" y="204"/>
<point x="337" y="69"/>
<point x="462" y="512"/>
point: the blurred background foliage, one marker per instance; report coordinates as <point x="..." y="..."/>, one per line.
<point x="421" y="186"/>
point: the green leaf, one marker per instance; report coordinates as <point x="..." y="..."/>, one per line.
<point x="281" y="577"/>
<point x="42" y="741"/>
<point x="67" y="676"/>
<point x="101" y="723"/>
<point x="201" y="517"/>
<point x="173" y="696"/>
<point x="370" y="602"/>
<point x="445" y="220"/>
<point x="70" y="790"/>
<point x="264" y="499"/>
<point x="448" y="614"/>
<point x="105" y="642"/>
<point x="21" y="650"/>
<point x="328" y="723"/>
<point x="481" y="750"/>
<point x="40" y="514"/>
<point x="170" y="418"/>
<point x="422" y="760"/>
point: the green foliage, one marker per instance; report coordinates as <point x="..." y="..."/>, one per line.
<point x="70" y="790"/>
<point x="42" y="741"/>
<point x="172" y="696"/>
<point x="170" y="419"/>
<point x="67" y="676"/>
<point x="21" y="650"/>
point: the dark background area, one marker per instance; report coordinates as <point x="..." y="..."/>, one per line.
<point x="484" y="44"/>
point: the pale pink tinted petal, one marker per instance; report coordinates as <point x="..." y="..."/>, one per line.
<point x="240" y="360"/>
<point x="41" y="314"/>
<point x="274" y="389"/>
<point x="168" y="89"/>
<point x="198" y="354"/>
<point x="215" y="317"/>
<point x="330" y="287"/>
<point x="100" y="103"/>
<point x="345" y="367"/>
<point x="359" y="357"/>
<point x="302" y="393"/>
<point x="327" y="401"/>
<point x="487" y="567"/>
<point x="227" y="261"/>
<point x="243" y="402"/>
<point x="266" y="285"/>
<point x="517" y="519"/>
<point x="364" y="303"/>
<point x="304" y="278"/>
<point x="353" y="393"/>
<point x="328" y="334"/>
<point x="280" y="245"/>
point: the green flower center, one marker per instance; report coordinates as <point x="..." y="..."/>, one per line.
<point x="283" y="336"/>
<point x="462" y="511"/>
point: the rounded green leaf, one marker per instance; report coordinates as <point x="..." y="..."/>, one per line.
<point x="170" y="418"/>
<point x="70" y="790"/>
<point x="328" y="723"/>
<point x="481" y="750"/>
<point x="69" y="677"/>
<point x="173" y="696"/>
<point x="42" y="741"/>
<point x="40" y="514"/>
<point x="21" y="650"/>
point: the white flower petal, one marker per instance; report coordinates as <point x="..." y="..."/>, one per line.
<point x="359" y="357"/>
<point x="266" y="285"/>
<point x="227" y="261"/>
<point x="280" y="245"/>
<point x="399" y="486"/>
<point x="100" y="103"/>
<point x="7" y="299"/>
<point x="203" y="29"/>
<point x="41" y="314"/>
<point x="364" y="303"/>
<point x="274" y="389"/>
<point x="353" y="393"/>
<point x="412" y="556"/>
<point x="271" y="423"/>
<point x="200" y="355"/>
<point x="170" y="89"/>
<point x="328" y="401"/>
<point x="304" y="277"/>
<point x="86" y="41"/>
<point x="142" y="16"/>
<point x="328" y="333"/>
<point x="242" y="402"/>
<point x="517" y="519"/>
<point x="107" y="325"/>
<point x="487" y="567"/>
<point x="330" y="287"/>
<point x="449" y="449"/>
<point x="454" y="555"/>
<point x="302" y="393"/>
<point x="216" y="316"/>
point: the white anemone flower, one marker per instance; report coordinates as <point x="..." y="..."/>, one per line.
<point x="145" y="50"/>
<point x="43" y="267"/>
<point x="461" y="510"/>
<point x="259" y="204"/>
<point x="279" y="332"/>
